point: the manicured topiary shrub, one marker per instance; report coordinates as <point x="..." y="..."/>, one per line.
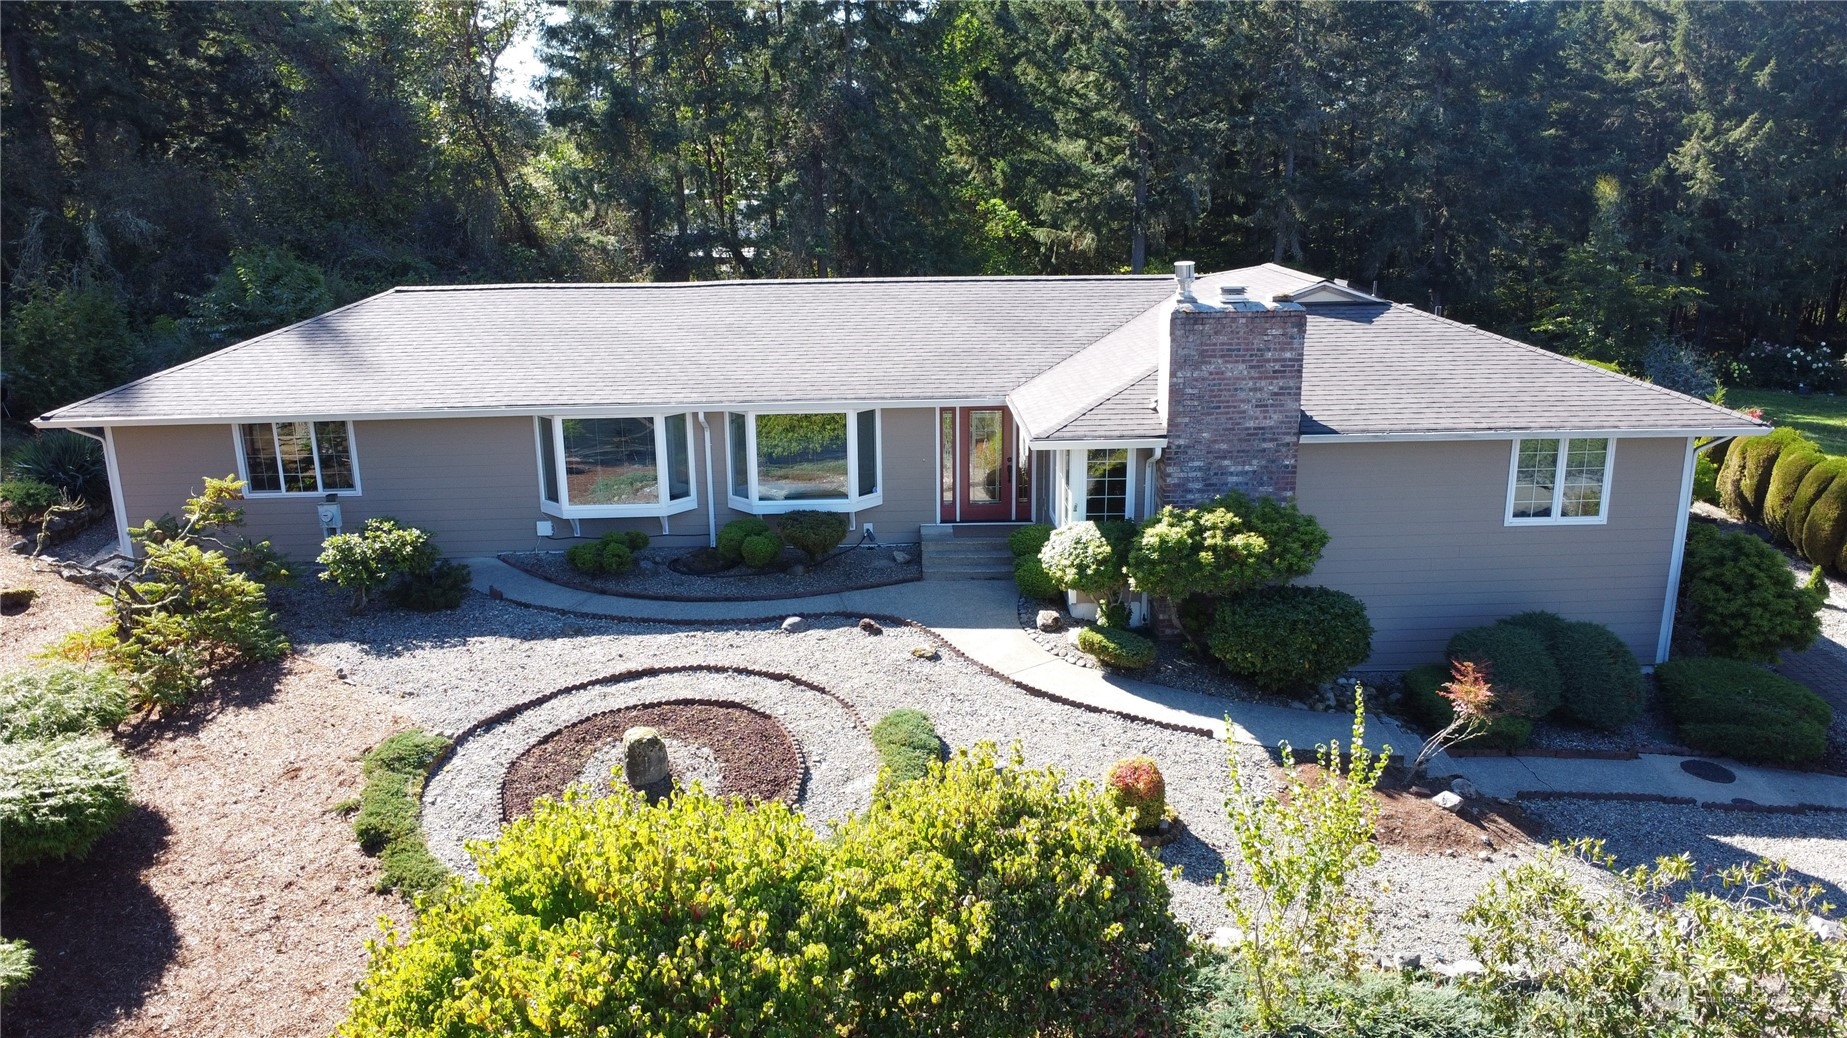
<point x="1422" y="693"/>
<point x="1116" y="647"/>
<point x="60" y="699"/>
<point x="1517" y="664"/>
<point x="1135" y="785"/>
<point x="1741" y="710"/>
<point x="1601" y="683"/>
<point x="585" y="558"/>
<point x="1080" y="557"/>
<point x="635" y="539"/>
<point x="1029" y="573"/>
<point x="1816" y="482"/>
<point x="387" y="821"/>
<point x="1288" y="638"/>
<point x="1731" y="471"/>
<point x="1000" y="901"/>
<point x="1705" y="479"/>
<point x="613" y="553"/>
<point x="732" y="535"/>
<point x="907" y="743"/>
<point x="814" y="533"/>
<point x="1742" y="598"/>
<point x="1027" y="540"/>
<point x="1229" y="545"/>
<point x="760" y="550"/>
<point x="440" y="589"/>
<point x="1785" y="478"/>
<point x="1757" y="458"/>
<point x="58" y="796"/>
<point x="1824" y="529"/>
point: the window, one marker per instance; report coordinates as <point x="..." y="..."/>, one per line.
<point x="615" y="466"/>
<point x="784" y="462"/>
<point x="1559" y="480"/>
<point x="298" y="458"/>
<point x="1106" y="484"/>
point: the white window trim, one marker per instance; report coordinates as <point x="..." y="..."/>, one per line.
<point x="1558" y="485"/>
<point x="1079" y="474"/>
<point x="563" y="509"/>
<point x="352" y="456"/>
<point x="853" y="502"/>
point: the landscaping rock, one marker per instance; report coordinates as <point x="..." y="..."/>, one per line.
<point x="900" y="557"/>
<point x="870" y="626"/>
<point x="1447" y="801"/>
<point x="924" y="652"/>
<point x="1459" y="968"/>
<point x="1050" y="621"/>
<point x="1824" y="929"/>
<point x="794" y="624"/>
<point x="1465" y="789"/>
<point x="1401" y="961"/>
<point x="1071" y="635"/>
<point x="644" y="758"/>
<point x="1225" y="938"/>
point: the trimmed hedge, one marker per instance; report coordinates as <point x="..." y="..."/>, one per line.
<point x="1757" y="458"/>
<point x="1289" y="638"/>
<point x="1029" y="573"/>
<point x="387" y="823"/>
<point x="1028" y="540"/>
<point x="1742" y="710"/>
<point x="58" y="796"/>
<point x="1742" y="598"/>
<point x="1813" y="485"/>
<point x="814" y="533"/>
<point x="761" y="549"/>
<point x="613" y="553"/>
<point x="1422" y="684"/>
<point x="1517" y="664"/>
<point x="1601" y="681"/>
<point x="1785" y="483"/>
<point x="907" y="743"/>
<point x="441" y="588"/>
<point x="1785" y="478"/>
<point x="1116" y="647"/>
<point x="1824" y="529"/>
<point x="732" y="535"/>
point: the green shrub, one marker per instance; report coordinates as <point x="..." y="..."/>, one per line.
<point x="25" y="501"/>
<point x="16" y="967"/>
<point x="441" y="588"/>
<point x="1731" y="471"/>
<point x="1705" y="479"/>
<point x="1517" y="665"/>
<point x="1372" y="1005"/>
<point x="387" y="821"/>
<point x="1742" y="598"/>
<point x="382" y="552"/>
<point x="813" y="533"/>
<point x="586" y="557"/>
<point x="732" y="535"/>
<point x="760" y="550"/>
<point x="1785" y="478"/>
<point x="1423" y="684"/>
<point x="614" y="556"/>
<point x="1231" y="544"/>
<point x="1029" y="573"/>
<point x="636" y="540"/>
<point x="613" y="553"/>
<point x="60" y="700"/>
<point x="1116" y="647"/>
<point x="1136" y="787"/>
<point x="1757" y="457"/>
<point x="1601" y="681"/>
<point x="997" y="901"/>
<point x="1824" y="529"/>
<point x="1813" y="485"/>
<point x="58" y="796"/>
<point x="907" y="743"/>
<point x="1027" y="540"/>
<point x="1078" y="556"/>
<point x="1290" y="638"/>
<point x="686" y="918"/>
<point x="1742" y="710"/>
<point x="69" y="462"/>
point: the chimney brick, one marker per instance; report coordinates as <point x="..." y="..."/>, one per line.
<point x="1234" y="402"/>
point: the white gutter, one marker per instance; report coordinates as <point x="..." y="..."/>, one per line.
<point x="1528" y="434"/>
<point x="1666" y="641"/>
<point x="711" y="503"/>
<point x="516" y="411"/>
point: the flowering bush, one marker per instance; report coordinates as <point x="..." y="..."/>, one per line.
<point x="1135" y="785"/>
<point x="1770" y="365"/>
<point x="1081" y="558"/>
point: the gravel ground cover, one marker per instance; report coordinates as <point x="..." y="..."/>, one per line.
<point x="848" y="570"/>
<point x="1175" y="664"/>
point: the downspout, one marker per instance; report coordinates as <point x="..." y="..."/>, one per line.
<point x="1665" y="643"/>
<point x="711" y="503"/>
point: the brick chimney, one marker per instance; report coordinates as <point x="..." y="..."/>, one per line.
<point x="1232" y="395"/>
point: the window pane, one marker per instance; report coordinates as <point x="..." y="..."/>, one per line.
<point x="740" y="458"/>
<point x="1534" y="476"/>
<point x="260" y="458"/>
<point x="679" y="459"/>
<point x="295" y="451"/>
<point x="985" y="455"/>
<point x="1106" y="490"/>
<point x="610" y="461"/>
<point x="801" y="457"/>
<point x="548" y="462"/>
<point x="949" y="462"/>
<point x="336" y="455"/>
<point x="1584" y="465"/>
<point x="868" y="452"/>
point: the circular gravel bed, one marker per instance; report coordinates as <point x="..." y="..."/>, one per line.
<point x="746" y="753"/>
<point x="850" y="569"/>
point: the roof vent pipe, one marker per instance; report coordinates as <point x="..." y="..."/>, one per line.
<point x="1183" y="281"/>
<point x="1231" y="293"/>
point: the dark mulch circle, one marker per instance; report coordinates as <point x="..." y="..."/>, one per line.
<point x="1705" y="769"/>
<point x="757" y="758"/>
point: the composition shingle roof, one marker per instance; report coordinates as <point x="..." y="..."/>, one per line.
<point x="1070" y="354"/>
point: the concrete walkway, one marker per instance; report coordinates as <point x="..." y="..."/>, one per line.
<point x="980" y="618"/>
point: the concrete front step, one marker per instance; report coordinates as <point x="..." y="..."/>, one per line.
<point x="949" y="572"/>
<point x="982" y="558"/>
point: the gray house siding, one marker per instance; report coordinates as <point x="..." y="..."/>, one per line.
<point x="1417" y="532"/>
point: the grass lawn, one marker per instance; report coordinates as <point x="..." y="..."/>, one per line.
<point x="1821" y="417"/>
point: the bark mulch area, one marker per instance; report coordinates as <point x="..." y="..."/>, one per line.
<point x="232" y="901"/>
<point x="756" y="757"/>
<point x="61" y="606"/>
<point x="1409" y="821"/>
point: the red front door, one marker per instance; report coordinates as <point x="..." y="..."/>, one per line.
<point x="984" y="465"/>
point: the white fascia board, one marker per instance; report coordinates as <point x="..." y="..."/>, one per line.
<point x="521" y="411"/>
<point x="1529" y="434"/>
<point x="1086" y="445"/>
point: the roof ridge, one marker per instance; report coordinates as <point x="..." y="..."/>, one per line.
<point x="889" y="280"/>
<point x="1541" y="350"/>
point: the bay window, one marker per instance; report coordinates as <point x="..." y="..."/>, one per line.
<point x="615" y="466"/>
<point x="1559" y="480"/>
<point x="297" y="458"/>
<point x="784" y="462"/>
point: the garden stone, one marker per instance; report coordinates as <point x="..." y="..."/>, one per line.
<point x="1447" y="801"/>
<point x="1401" y="961"/>
<point x="1050" y="620"/>
<point x="794" y="624"/>
<point x="1465" y="789"/>
<point x="1459" y="968"/>
<point x="900" y="557"/>
<point x="1824" y="929"/>
<point x="1226" y="938"/>
<point x="644" y="757"/>
<point x="870" y="626"/>
<point x="1484" y="855"/>
<point x="924" y="652"/>
<point x="1071" y="635"/>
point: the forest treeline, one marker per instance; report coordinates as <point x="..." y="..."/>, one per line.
<point x="1596" y="177"/>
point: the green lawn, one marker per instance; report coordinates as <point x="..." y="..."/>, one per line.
<point x="1821" y="417"/>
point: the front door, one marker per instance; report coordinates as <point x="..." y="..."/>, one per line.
<point x="983" y="454"/>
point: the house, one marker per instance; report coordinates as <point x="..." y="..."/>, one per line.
<point x="1463" y="476"/>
